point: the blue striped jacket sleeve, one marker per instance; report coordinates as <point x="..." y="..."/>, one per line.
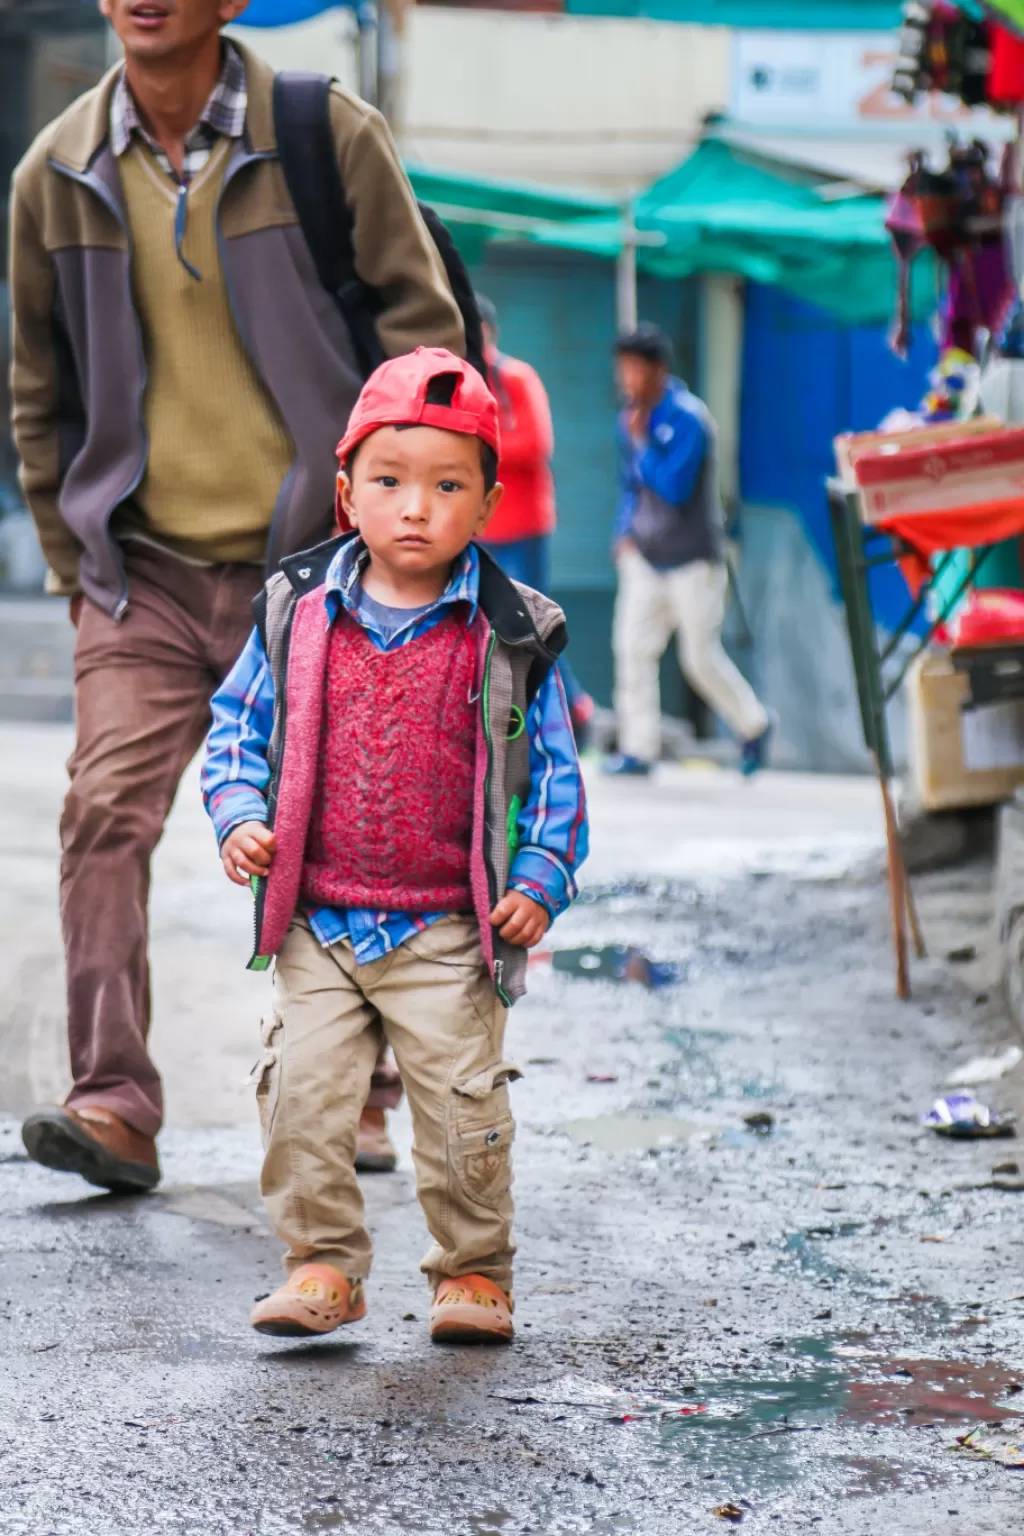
<point x="236" y="772"/>
<point x="669" y="467"/>
<point x="552" y="824"/>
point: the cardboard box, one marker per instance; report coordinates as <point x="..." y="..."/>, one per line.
<point x="972" y="472"/>
<point x="851" y="446"/>
<point x="958" y="759"/>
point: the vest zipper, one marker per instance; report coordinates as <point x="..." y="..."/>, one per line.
<point x="492" y="879"/>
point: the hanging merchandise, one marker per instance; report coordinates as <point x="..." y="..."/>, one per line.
<point x="922" y="215"/>
<point x="954" y="385"/>
<point x="958" y="212"/>
<point x="942" y="48"/>
<point x="909" y="78"/>
<point x="1006" y="75"/>
<point x="981" y="289"/>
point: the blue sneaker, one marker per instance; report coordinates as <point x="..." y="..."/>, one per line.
<point x="621" y="766"/>
<point x="753" y="753"/>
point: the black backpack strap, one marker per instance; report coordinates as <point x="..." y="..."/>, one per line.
<point x="309" y="160"/>
<point x="461" y="285"/>
<point x="305" y="144"/>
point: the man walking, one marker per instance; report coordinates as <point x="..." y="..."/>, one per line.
<point x="519" y="534"/>
<point x="670" y="554"/>
<point x="180" y="380"/>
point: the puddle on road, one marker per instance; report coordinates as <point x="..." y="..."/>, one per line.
<point x="709" y="1063"/>
<point x="626" y="1133"/>
<point x="760" y="1433"/>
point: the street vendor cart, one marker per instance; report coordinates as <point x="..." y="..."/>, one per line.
<point x="921" y="499"/>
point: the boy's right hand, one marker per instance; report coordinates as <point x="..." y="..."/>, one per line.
<point x="247" y="850"/>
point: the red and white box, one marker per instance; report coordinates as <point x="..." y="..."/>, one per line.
<point x="897" y="481"/>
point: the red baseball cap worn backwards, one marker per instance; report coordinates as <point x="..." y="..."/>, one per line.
<point x="396" y="395"/>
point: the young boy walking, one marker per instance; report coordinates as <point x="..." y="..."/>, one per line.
<point x="392" y="757"/>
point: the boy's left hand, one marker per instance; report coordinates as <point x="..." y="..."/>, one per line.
<point x="520" y="920"/>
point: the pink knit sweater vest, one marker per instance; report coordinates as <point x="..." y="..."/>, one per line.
<point x="391" y="828"/>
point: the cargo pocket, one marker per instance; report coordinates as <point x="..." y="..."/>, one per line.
<point x="266" y="1074"/>
<point x="483" y="1131"/>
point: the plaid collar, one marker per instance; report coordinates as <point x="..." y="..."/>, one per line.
<point x="223" y="116"/>
<point x="345" y="574"/>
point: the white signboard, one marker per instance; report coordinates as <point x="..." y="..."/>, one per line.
<point x="836" y="81"/>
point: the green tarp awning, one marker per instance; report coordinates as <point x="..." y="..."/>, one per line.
<point x="722" y="210"/>
<point x="726" y="211"/>
<point x="478" y="210"/>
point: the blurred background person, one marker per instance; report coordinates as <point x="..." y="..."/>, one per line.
<point x="670" y="558"/>
<point x="519" y="534"/>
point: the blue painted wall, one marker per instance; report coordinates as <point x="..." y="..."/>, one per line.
<point x="805" y="379"/>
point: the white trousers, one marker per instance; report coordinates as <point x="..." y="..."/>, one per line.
<point x="650" y="606"/>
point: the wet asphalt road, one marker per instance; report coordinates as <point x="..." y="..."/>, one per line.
<point x="835" y="1300"/>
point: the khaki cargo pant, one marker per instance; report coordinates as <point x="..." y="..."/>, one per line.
<point x="433" y="1001"/>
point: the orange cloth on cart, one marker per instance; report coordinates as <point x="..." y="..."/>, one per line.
<point x="932" y="533"/>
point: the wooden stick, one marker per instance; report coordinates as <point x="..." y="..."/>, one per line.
<point x="920" y="948"/>
<point x="897" y="890"/>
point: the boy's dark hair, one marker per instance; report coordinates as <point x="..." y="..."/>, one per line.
<point x="440" y="390"/>
<point x="646" y="342"/>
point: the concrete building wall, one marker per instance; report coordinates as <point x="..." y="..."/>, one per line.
<point x="571" y="100"/>
<point x="327" y="43"/>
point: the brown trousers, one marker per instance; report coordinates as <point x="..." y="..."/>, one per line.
<point x="142" y="700"/>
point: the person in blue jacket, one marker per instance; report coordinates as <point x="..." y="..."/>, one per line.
<point x="670" y="557"/>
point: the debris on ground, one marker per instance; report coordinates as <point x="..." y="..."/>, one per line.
<point x="760" y="1122"/>
<point x="731" y="1512"/>
<point x="571" y="1391"/>
<point x="1001" y="1443"/>
<point x="962" y="954"/>
<point x="962" y="1115"/>
<point x="602" y="1077"/>
<point x="1010" y="1167"/>
<point x="615" y="962"/>
<point x="985" y="1069"/>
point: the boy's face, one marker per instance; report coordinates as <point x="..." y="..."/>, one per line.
<point x="417" y="497"/>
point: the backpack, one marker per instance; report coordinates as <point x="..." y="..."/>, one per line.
<point x="309" y="160"/>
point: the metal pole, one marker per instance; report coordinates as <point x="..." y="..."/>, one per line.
<point x="625" y="280"/>
<point x="366" y="18"/>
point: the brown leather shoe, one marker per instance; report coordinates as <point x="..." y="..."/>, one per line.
<point x="94" y="1143"/>
<point x="375" y="1151"/>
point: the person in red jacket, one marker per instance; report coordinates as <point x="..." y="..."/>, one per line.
<point x="519" y="534"/>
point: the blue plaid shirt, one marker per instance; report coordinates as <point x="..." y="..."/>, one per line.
<point x="552" y="823"/>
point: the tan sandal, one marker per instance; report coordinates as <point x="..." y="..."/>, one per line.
<point x="316" y="1298"/>
<point x="470" y="1309"/>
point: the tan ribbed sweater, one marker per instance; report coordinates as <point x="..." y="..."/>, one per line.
<point x="218" y="449"/>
